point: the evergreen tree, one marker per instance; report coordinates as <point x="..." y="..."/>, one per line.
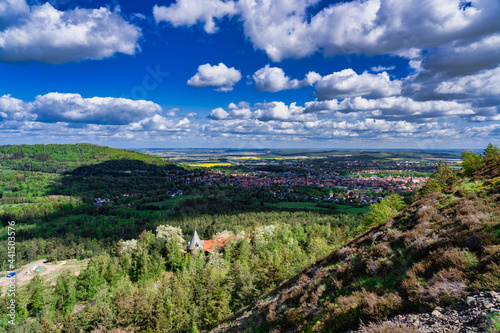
<point x="65" y="292"/>
<point x="471" y="162"/>
<point x="36" y="292"/>
<point x="89" y="282"/>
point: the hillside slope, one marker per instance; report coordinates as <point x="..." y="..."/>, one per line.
<point x="60" y="158"/>
<point x="440" y="248"/>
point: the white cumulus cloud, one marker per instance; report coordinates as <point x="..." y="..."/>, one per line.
<point x="485" y="83"/>
<point x="271" y="111"/>
<point x="14" y="109"/>
<point x="218" y="113"/>
<point x="347" y="83"/>
<point x="189" y="12"/>
<point x="219" y="76"/>
<point x="273" y="79"/>
<point x="160" y="123"/>
<point x="73" y="108"/>
<point x="45" y="34"/>
<point x="286" y="29"/>
<point x="403" y="108"/>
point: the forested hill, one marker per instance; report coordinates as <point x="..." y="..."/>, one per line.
<point x="434" y="252"/>
<point x="62" y="158"/>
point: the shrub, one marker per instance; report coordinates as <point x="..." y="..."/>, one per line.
<point x="447" y="287"/>
<point x="380" y="250"/>
<point x="291" y="294"/>
<point x="292" y="317"/>
<point x="346" y="253"/>
<point x="490" y="280"/>
<point x="369" y="305"/>
<point x="379" y="307"/>
<point x="341" y="314"/>
<point x="491" y="152"/>
<point x="494" y="326"/>
<point x="454" y="257"/>
<point x="426" y="213"/>
<point x="470" y="221"/>
<point x="431" y="186"/>
<point x="384" y="210"/>
<point x="169" y="233"/>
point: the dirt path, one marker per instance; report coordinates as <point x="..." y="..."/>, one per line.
<point x="50" y="271"/>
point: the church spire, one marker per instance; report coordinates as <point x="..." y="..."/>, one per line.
<point x="196" y="243"/>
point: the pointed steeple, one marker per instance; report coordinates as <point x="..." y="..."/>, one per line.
<point x="196" y="243"/>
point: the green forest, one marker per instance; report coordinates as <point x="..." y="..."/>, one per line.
<point x="50" y="192"/>
<point x="115" y="210"/>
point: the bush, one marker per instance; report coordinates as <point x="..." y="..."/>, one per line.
<point x="347" y="309"/>
<point x="379" y="307"/>
<point x="494" y="326"/>
<point x="447" y="287"/>
<point x="490" y="280"/>
<point x="384" y="210"/>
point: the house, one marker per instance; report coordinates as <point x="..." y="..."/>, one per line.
<point x="220" y="242"/>
<point x="208" y="245"/>
<point x="174" y="193"/>
<point x="101" y="201"/>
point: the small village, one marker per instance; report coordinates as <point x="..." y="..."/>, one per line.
<point x="349" y="181"/>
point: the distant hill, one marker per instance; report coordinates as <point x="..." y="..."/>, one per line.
<point x="434" y="252"/>
<point x="62" y="158"/>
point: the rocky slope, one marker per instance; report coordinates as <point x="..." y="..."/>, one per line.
<point x="473" y="313"/>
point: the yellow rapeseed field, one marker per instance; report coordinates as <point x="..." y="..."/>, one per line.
<point x="208" y="165"/>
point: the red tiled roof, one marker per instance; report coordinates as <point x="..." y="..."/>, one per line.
<point x="208" y="244"/>
<point x="221" y="241"/>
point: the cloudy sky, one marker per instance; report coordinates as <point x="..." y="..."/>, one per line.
<point x="251" y="73"/>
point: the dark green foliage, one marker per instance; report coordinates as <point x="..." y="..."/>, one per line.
<point x="65" y="292"/>
<point x="175" y="259"/>
<point x="89" y="281"/>
<point x="442" y="180"/>
<point x="38" y="297"/>
<point x="491" y="152"/>
<point x="471" y="162"/>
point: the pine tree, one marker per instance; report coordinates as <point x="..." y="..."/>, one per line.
<point x="36" y="292"/>
<point x="65" y="292"/>
<point x="89" y="282"/>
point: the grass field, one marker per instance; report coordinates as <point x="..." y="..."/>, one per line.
<point x="170" y="203"/>
<point x="14" y="205"/>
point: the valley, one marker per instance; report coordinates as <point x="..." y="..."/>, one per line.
<point x="313" y="241"/>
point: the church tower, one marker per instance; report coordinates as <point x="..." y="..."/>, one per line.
<point x="196" y="243"/>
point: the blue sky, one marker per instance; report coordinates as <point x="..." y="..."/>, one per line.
<point x="251" y="73"/>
